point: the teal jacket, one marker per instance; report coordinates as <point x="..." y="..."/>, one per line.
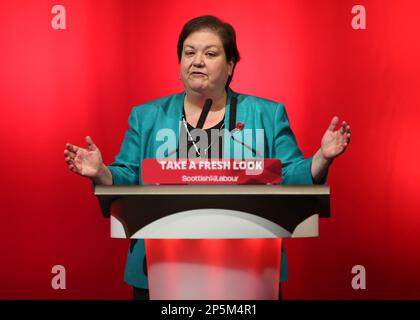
<point x="140" y="143"/>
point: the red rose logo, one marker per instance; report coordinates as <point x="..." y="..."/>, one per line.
<point x="240" y="126"/>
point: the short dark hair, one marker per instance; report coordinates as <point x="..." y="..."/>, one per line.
<point x="224" y="30"/>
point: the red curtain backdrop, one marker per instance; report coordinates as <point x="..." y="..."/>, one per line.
<point x="58" y="86"/>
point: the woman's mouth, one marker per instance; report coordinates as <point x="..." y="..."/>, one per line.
<point x="198" y="74"/>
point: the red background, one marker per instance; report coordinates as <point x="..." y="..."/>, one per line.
<point x="58" y="86"/>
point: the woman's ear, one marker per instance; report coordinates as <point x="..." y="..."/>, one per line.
<point x="231" y="65"/>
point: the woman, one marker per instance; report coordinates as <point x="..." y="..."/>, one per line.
<point x="208" y="54"/>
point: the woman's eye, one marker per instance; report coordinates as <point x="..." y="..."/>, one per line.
<point x="211" y="54"/>
<point x="189" y="53"/>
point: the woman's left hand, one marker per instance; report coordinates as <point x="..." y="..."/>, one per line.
<point x="334" y="143"/>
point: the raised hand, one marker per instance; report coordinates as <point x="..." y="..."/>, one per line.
<point x="334" y="143"/>
<point x="85" y="162"/>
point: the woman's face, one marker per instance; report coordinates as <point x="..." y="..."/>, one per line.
<point x="204" y="68"/>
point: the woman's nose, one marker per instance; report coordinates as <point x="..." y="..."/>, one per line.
<point x="198" y="60"/>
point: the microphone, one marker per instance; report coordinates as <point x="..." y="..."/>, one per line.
<point x="204" y="113"/>
<point x="254" y="151"/>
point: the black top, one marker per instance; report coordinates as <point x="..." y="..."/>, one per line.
<point x="212" y="147"/>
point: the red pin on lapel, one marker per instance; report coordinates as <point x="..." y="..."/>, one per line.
<point x="239" y="126"/>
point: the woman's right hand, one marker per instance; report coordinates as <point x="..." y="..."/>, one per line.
<point x="85" y="162"/>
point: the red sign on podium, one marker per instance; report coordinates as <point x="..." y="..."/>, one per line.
<point x="211" y="171"/>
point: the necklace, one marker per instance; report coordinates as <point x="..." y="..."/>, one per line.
<point x="190" y="137"/>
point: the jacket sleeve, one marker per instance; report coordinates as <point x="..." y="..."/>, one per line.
<point x="295" y="168"/>
<point x="125" y="168"/>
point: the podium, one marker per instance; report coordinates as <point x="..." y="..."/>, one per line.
<point x="214" y="241"/>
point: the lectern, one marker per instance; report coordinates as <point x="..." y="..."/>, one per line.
<point x="214" y="241"/>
